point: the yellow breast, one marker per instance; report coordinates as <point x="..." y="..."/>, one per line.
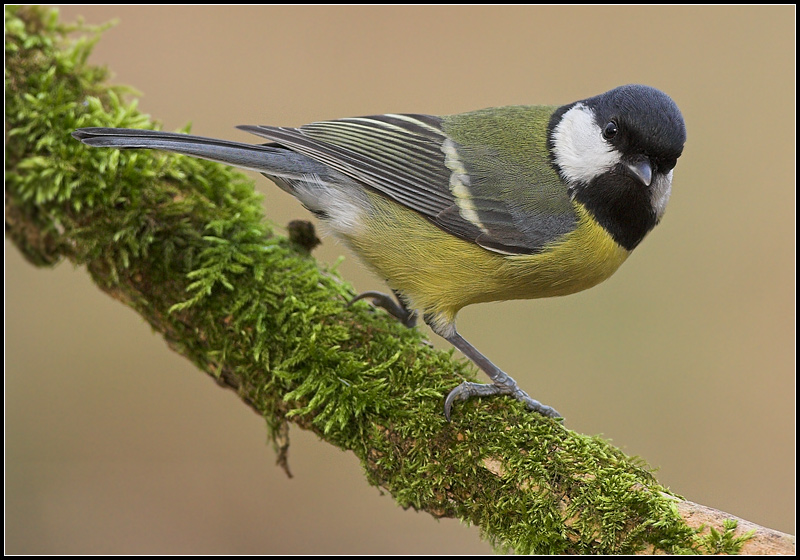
<point x="439" y="273"/>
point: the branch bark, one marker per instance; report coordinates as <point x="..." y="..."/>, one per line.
<point x="763" y="542"/>
<point x="184" y="244"/>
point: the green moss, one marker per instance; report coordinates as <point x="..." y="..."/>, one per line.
<point x="184" y="243"/>
<point x="725" y="541"/>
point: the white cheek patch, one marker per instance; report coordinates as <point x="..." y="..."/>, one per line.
<point x="660" y="189"/>
<point x="579" y="149"/>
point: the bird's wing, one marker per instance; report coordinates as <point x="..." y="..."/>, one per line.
<point x="410" y="159"/>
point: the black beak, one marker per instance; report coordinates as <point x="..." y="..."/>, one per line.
<point x="641" y="168"/>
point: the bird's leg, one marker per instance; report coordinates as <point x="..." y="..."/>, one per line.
<point x="502" y="383"/>
<point x="394" y="305"/>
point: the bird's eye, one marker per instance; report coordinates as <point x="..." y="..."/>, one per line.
<point x="610" y="130"/>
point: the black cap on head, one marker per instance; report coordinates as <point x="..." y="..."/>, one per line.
<point x="648" y="120"/>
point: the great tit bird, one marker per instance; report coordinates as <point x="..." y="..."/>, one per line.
<point x="497" y="204"/>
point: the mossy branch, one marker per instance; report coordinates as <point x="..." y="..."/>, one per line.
<point x="183" y="242"/>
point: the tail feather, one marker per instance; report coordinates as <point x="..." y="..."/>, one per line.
<point x="270" y="159"/>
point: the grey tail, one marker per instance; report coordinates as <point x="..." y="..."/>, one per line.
<point x="271" y="159"/>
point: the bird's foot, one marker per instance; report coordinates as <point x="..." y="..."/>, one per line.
<point x="467" y="390"/>
<point x="395" y="307"/>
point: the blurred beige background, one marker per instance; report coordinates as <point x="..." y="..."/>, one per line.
<point x="685" y="357"/>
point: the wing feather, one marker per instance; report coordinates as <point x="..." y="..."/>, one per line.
<point x="410" y="159"/>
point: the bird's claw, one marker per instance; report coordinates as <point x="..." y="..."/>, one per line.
<point x="394" y="307"/>
<point x="468" y="390"/>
